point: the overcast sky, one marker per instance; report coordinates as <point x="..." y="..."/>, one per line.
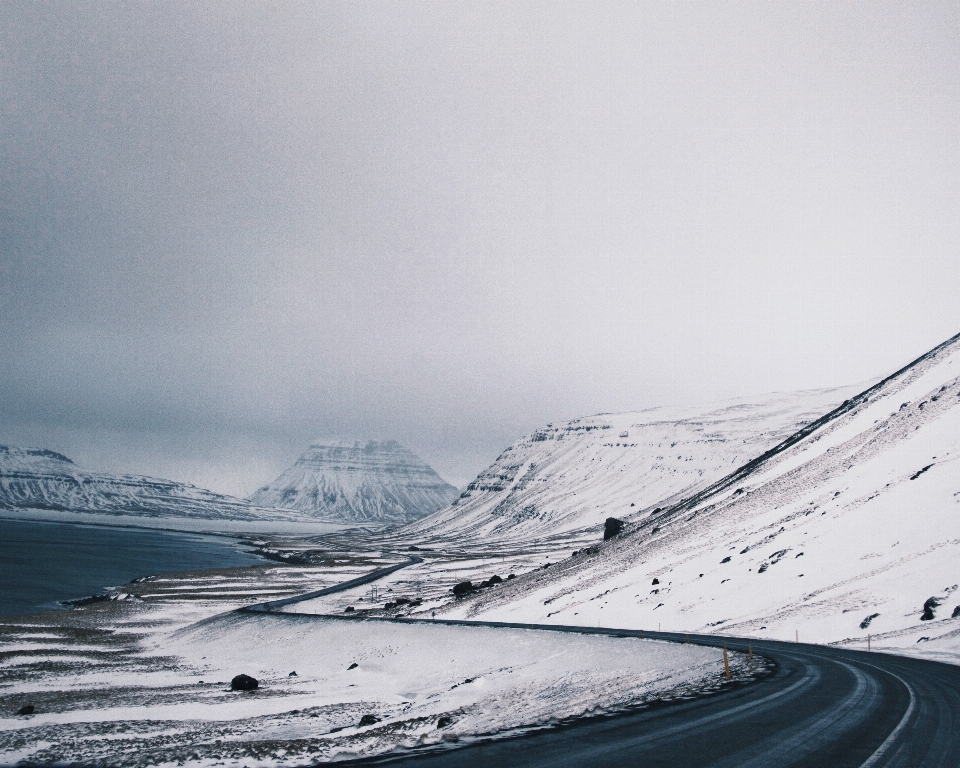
<point x="230" y="228"/>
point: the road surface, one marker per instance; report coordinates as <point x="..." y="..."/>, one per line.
<point x="822" y="707"/>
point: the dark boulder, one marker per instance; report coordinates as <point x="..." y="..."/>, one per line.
<point x="368" y="720"/>
<point x="244" y="683"/>
<point x="928" y="608"/>
<point x="349" y="609"/>
<point x="444" y="721"/>
<point x="292" y="674"/>
<point x="655" y="581"/>
<point x="353" y="666"/>
<point x="956" y="612"/>
<point x="463" y="589"/>
<point x="611" y="528"/>
<point x="866" y="622"/>
<point x="26" y="709"/>
<point x="725" y="560"/>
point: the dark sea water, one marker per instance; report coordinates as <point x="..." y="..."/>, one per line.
<point x="44" y="563"/>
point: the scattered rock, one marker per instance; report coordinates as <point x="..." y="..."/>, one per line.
<point x="463" y="589"/>
<point x="244" y="683"/>
<point x="26" y="709"/>
<point x="293" y="674"/>
<point x="353" y="666"/>
<point x="956" y="612"/>
<point x="349" y="609"/>
<point x="928" y="609"/>
<point x="612" y="527"/>
<point x="511" y="576"/>
<point x="725" y="560"/>
<point x="368" y="720"/>
<point x="866" y="622"/>
<point x="655" y="581"/>
<point x="444" y="721"/>
<point x="413" y="548"/>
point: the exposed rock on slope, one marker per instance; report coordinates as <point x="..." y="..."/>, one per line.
<point x="570" y="476"/>
<point x="372" y="482"/>
<point x="849" y="527"/>
<point x="42" y="479"/>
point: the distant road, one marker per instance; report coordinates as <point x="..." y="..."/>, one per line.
<point x="379" y="573"/>
<point x="823" y="707"/>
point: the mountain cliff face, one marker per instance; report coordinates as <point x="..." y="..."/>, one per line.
<point x="568" y="477"/>
<point x="42" y="479"/>
<point x="850" y="527"/>
<point x="372" y="482"/>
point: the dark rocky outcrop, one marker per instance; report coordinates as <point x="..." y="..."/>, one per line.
<point x="463" y="589"/>
<point x="244" y="683"/>
<point x="353" y="666"/>
<point x="612" y="527"/>
<point x="26" y="709"/>
<point x="928" y="609"/>
<point x="444" y="721"/>
<point x="956" y="612"/>
<point x="368" y="720"/>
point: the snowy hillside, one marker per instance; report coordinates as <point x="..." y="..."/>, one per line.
<point x="42" y="479"/>
<point x="571" y="476"/>
<point x="372" y="482"/>
<point x="849" y="528"/>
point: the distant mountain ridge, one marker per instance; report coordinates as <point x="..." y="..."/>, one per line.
<point x="570" y="476"/>
<point x="358" y="482"/>
<point x="37" y="478"/>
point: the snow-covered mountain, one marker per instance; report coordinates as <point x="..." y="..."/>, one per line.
<point x="34" y="478"/>
<point x="850" y="527"/>
<point x="572" y="476"/>
<point x="358" y="482"/>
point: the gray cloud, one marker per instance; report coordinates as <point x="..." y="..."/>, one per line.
<point x="230" y="228"/>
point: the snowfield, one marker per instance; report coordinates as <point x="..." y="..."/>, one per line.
<point x="170" y="701"/>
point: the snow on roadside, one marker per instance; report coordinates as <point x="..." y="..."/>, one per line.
<point x="408" y="675"/>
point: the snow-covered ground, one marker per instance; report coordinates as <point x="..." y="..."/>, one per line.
<point x="852" y="531"/>
<point x="142" y="682"/>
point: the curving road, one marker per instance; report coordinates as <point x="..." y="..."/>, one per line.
<point x="821" y="707"/>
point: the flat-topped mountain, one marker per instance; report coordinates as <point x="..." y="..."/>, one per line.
<point x="568" y="477"/>
<point x="358" y="482"/>
<point x="36" y="478"/>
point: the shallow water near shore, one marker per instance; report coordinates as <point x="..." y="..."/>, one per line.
<point x="44" y="563"/>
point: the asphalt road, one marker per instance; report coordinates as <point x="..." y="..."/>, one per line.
<point x="821" y="707"/>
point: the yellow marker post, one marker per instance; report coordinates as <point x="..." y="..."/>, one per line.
<point x="726" y="661"/>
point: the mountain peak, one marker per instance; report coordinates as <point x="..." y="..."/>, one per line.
<point x="358" y="481"/>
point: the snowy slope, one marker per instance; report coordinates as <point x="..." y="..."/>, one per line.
<point x="571" y="476"/>
<point x="372" y="482"/>
<point x="42" y="479"/>
<point x="850" y="527"/>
